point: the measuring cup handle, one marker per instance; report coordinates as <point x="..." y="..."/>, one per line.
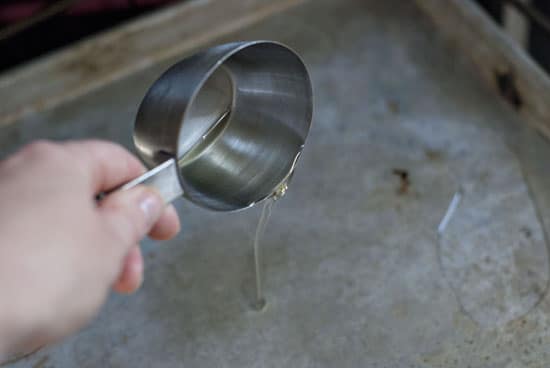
<point x="163" y="178"/>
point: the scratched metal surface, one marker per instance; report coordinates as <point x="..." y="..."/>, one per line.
<point x="355" y="272"/>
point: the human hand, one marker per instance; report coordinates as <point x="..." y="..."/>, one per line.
<point x="61" y="251"/>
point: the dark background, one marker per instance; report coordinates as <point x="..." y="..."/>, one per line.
<point x="75" y="19"/>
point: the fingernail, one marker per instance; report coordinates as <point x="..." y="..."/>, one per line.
<point x="152" y="206"/>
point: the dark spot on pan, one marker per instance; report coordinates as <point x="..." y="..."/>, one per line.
<point x="506" y="84"/>
<point x="433" y="155"/>
<point x="526" y="232"/>
<point x="393" y="106"/>
<point x="404" y="179"/>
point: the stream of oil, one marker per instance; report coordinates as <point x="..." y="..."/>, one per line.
<point x="208" y="139"/>
<point x="260" y="302"/>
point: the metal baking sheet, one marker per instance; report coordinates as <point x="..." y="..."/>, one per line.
<point x="357" y="274"/>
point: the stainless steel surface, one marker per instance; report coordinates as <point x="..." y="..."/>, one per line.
<point x="235" y="117"/>
<point x="163" y="178"/>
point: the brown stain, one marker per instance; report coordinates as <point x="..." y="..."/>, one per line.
<point x="405" y="181"/>
<point x="507" y="88"/>
<point x="42" y="362"/>
<point x="400" y="310"/>
<point x="83" y="66"/>
<point x="393" y="106"/>
<point x="522" y="326"/>
<point x="433" y="155"/>
<point x="97" y="60"/>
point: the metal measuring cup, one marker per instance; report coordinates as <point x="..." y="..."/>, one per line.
<point x="226" y="125"/>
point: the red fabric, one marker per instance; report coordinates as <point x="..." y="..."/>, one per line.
<point x="20" y="10"/>
<point x="95" y="6"/>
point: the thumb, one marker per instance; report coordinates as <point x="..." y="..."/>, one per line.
<point x="130" y="214"/>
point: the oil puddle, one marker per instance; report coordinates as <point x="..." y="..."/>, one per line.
<point x="492" y="244"/>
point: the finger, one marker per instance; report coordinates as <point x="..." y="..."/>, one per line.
<point x="129" y="215"/>
<point x="107" y="164"/>
<point x="131" y="277"/>
<point x="167" y="226"/>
